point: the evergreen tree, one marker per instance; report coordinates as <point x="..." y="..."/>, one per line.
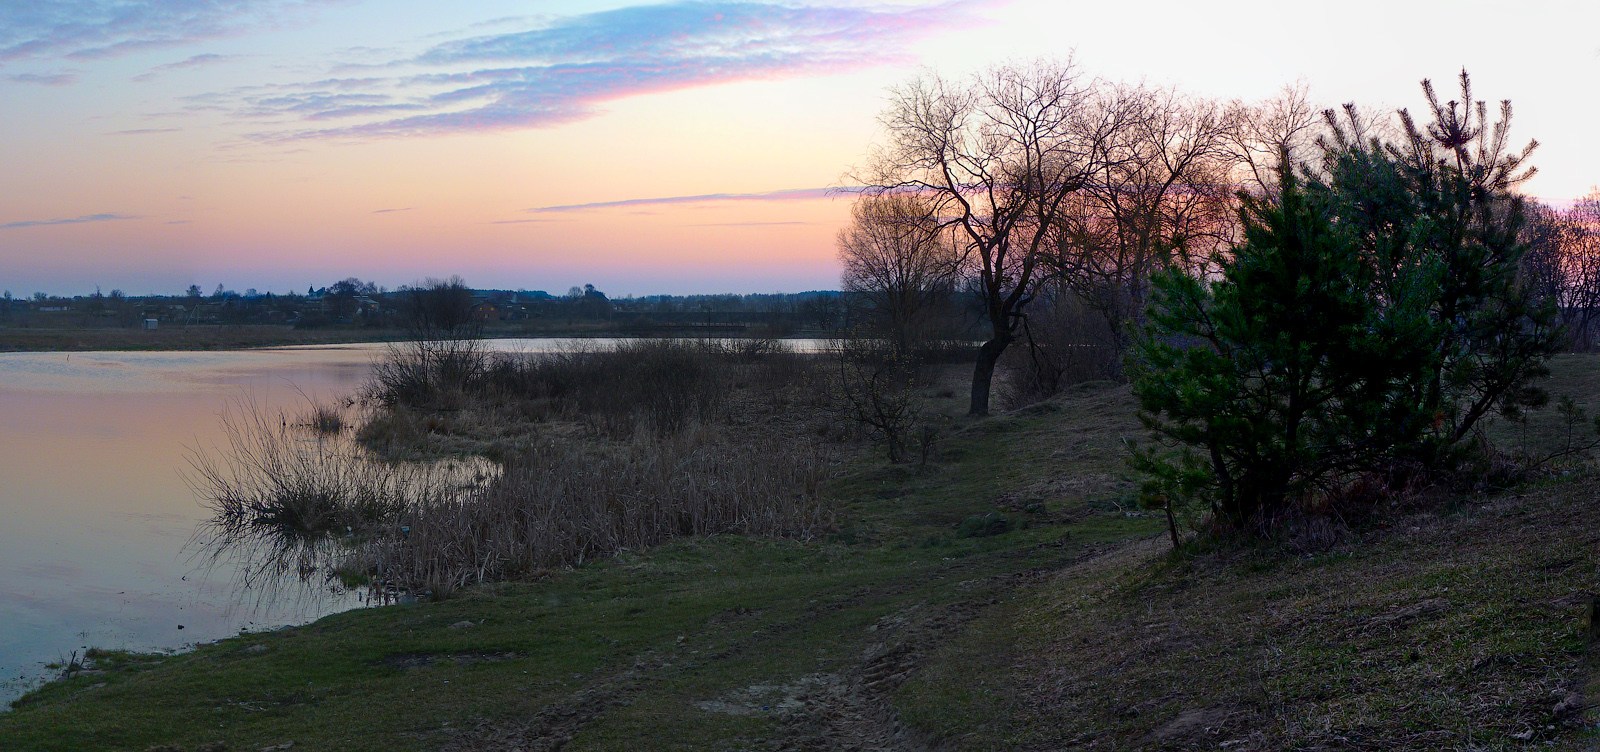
<point x="1442" y="197"/>
<point x="1369" y="320"/>
<point x="1281" y="377"/>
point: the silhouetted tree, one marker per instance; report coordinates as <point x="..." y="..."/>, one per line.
<point x="1161" y="195"/>
<point x="439" y="309"/>
<point x="996" y="158"/>
<point x="1563" y="265"/>
<point x="900" y="266"/>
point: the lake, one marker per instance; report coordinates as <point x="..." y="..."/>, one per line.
<point x="96" y="516"/>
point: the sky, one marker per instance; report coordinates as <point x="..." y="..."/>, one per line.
<point x="643" y="147"/>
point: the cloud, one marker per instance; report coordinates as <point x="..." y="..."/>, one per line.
<point x="143" y="131"/>
<point x="748" y="224"/>
<point x="564" y="69"/>
<point x="95" y="29"/>
<point x="194" y="61"/>
<point x="391" y="211"/>
<point x="73" y="221"/>
<point x="64" y="78"/>
<point x="790" y="194"/>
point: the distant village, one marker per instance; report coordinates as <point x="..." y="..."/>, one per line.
<point x="354" y="303"/>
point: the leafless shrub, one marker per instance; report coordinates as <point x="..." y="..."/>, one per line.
<point x="424" y="372"/>
<point x="877" y="382"/>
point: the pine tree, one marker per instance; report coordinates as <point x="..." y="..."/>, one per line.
<point x="1280" y="378"/>
<point x="1442" y="198"/>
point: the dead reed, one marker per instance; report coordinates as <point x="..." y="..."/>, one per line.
<point x="565" y="504"/>
<point x="282" y="502"/>
<point x="662" y="439"/>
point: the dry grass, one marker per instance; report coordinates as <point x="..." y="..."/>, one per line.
<point x="562" y="504"/>
<point x="599" y="450"/>
<point x="1458" y="629"/>
<point x="1455" y="619"/>
<point x="282" y="501"/>
<point x="326" y="420"/>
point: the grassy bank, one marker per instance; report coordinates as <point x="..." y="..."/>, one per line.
<point x="1006" y="597"/>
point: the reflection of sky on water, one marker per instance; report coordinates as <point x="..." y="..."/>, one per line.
<point x="95" y="513"/>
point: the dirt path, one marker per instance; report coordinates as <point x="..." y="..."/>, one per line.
<point x="844" y="709"/>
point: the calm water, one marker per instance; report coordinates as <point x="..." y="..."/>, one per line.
<point x="94" y="509"/>
<point x="95" y="514"/>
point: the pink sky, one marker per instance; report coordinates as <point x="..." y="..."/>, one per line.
<point x="662" y="147"/>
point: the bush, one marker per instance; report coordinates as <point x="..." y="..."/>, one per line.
<point x="1365" y="326"/>
<point x="1064" y="342"/>
<point x="426" y="373"/>
<point x="877" y="382"/>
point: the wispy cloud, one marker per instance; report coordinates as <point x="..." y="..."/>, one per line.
<point x="747" y="224"/>
<point x="193" y="61"/>
<point x="72" y="221"/>
<point x="565" y="69"/>
<point x="790" y="194"/>
<point x="391" y="211"/>
<point x="94" y="29"/>
<point x="64" y="78"/>
<point x="143" y="131"/>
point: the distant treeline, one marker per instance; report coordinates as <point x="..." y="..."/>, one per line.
<point x="353" y="302"/>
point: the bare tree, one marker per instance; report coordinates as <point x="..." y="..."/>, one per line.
<point x="878" y="383"/>
<point x="1563" y="265"/>
<point x="442" y="354"/>
<point x="439" y="309"/>
<point x="1580" y="308"/>
<point x="900" y="265"/>
<point x="1260" y="133"/>
<point x="996" y="158"/>
<point x="1161" y="194"/>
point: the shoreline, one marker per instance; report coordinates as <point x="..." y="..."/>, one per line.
<point x="208" y="338"/>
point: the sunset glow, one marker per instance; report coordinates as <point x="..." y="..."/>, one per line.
<point x="668" y="147"/>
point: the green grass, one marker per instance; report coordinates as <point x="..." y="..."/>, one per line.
<point x="1459" y="625"/>
<point x="1447" y="633"/>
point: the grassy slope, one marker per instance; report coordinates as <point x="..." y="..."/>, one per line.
<point x="1461" y="628"/>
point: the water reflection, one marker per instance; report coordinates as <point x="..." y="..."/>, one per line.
<point x="294" y="499"/>
<point x="94" y="512"/>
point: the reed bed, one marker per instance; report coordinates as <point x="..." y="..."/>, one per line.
<point x="563" y="504"/>
<point x="285" y="500"/>
<point x="658" y="439"/>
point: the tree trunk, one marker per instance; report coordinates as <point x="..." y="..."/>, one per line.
<point x="983" y="374"/>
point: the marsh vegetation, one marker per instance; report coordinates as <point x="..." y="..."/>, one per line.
<point x="573" y="455"/>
